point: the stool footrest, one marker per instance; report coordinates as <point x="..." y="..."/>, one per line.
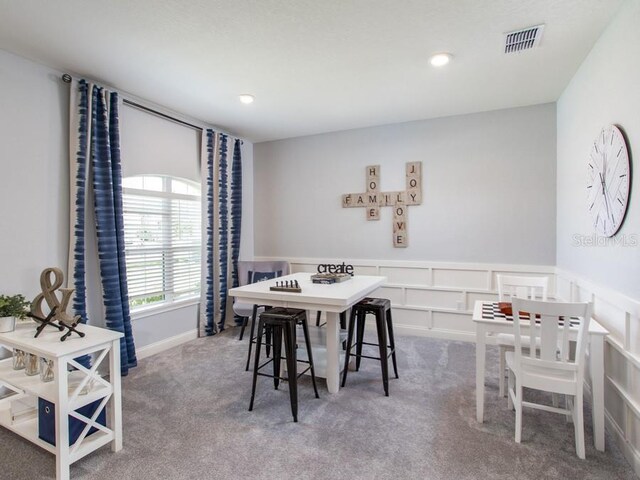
<point x="370" y="357"/>
<point x="282" y="358"/>
<point x="373" y="345"/>
<point x="265" y="363"/>
<point x="272" y="376"/>
<point x="284" y="379"/>
<point x="366" y="356"/>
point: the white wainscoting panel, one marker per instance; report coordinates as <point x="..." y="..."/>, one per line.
<point x="621" y="316"/>
<point x="404" y="276"/>
<point x="360" y="270"/>
<point x="431" y="298"/>
<point x="461" y="279"/>
<point x="395" y="294"/>
<point x="416" y="319"/>
<point x="486" y="296"/>
<point x="453" y="323"/>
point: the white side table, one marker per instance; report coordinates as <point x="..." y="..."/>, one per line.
<point x="65" y="390"/>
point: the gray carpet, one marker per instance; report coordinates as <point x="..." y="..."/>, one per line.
<point x="185" y="417"/>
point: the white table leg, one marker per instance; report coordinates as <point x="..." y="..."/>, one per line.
<point x="115" y="412"/>
<point x="62" y="420"/>
<point x="596" y="366"/>
<point x="333" y="352"/>
<point x="480" y="365"/>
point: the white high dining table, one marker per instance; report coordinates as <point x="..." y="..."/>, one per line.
<point x="331" y="299"/>
<point x="597" y="334"/>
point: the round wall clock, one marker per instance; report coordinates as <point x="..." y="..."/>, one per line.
<point x="608" y="181"/>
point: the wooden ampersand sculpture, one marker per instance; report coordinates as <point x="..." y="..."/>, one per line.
<point x="51" y="280"/>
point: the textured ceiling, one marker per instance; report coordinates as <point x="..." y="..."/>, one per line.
<point x="313" y="65"/>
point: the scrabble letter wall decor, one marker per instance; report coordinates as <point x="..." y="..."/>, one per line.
<point x="373" y="199"/>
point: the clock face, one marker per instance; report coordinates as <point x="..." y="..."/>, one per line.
<point x="608" y="181"/>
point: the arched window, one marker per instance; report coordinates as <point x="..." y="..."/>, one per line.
<point x="162" y="239"/>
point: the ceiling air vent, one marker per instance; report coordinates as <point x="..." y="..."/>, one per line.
<point x="523" y="39"/>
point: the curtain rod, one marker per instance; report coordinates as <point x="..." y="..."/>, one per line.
<point x="67" y="79"/>
<point x="160" y="114"/>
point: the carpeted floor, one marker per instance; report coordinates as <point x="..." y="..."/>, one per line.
<point x="185" y="417"/>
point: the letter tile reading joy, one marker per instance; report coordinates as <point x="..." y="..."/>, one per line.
<point x="373" y="199"/>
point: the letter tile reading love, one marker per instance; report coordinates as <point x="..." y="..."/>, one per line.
<point x="373" y="199"/>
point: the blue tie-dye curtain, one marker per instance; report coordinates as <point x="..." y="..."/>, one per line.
<point x="236" y="215"/>
<point x="96" y="175"/>
<point x="222" y="232"/>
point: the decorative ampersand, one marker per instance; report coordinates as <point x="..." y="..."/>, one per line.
<point x="49" y="287"/>
<point x="57" y="308"/>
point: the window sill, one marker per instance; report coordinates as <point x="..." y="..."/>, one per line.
<point x="168" y="307"/>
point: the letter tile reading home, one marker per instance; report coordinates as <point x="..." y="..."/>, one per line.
<point x="373" y="199"/>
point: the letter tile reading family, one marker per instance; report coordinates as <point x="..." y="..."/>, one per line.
<point x="373" y="199"/>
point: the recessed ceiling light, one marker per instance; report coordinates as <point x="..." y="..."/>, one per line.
<point x="440" y="59"/>
<point x="246" y="98"/>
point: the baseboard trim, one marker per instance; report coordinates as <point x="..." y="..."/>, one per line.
<point x="166" y="344"/>
<point x="434" y="333"/>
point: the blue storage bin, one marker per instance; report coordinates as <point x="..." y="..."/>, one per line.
<point x="47" y="421"/>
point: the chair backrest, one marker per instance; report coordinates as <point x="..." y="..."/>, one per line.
<point x="251" y="272"/>
<point x="552" y="332"/>
<point x="532" y="288"/>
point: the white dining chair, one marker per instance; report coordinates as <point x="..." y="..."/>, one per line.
<point x="510" y="286"/>
<point x="548" y="366"/>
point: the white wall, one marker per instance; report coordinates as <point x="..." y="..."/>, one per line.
<point x="34" y="183"/>
<point x="488" y="190"/>
<point x="34" y="189"/>
<point x="605" y="91"/>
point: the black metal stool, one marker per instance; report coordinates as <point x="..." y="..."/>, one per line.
<point x="252" y="337"/>
<point x="282" y="322"/>
<point x="381" y="308"/>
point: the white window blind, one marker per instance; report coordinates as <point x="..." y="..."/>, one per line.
<point x="151" y="145"/>
<point x="162" y="239"/>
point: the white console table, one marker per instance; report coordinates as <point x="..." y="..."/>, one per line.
<point x="68" y="389"/>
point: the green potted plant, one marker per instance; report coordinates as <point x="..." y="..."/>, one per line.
<point x="12" y="307"/>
